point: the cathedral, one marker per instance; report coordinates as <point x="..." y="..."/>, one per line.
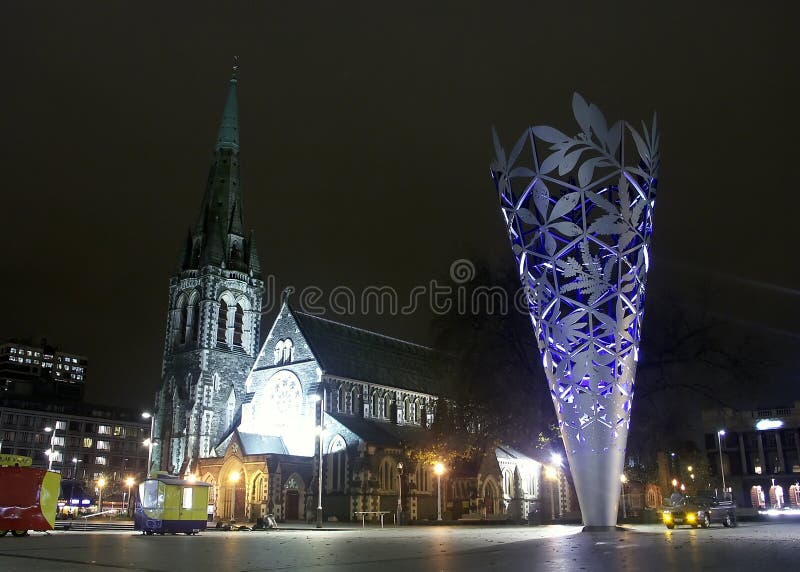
<point x="258" y="420"/>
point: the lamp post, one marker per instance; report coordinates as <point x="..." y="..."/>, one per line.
<point x="399" y="493"/>
<point x="438" y="468"/>
<point x="52" y="450"/>
<point x="623" y="479"/>
<point x="130" y="482"/>
<point x="149" y="442"/>
<point x="234" y="478"/>
<point x="321" y="431"/>
<point x="551" y="474"/>
<point x="720" y="435"/>
<point x="101" y="482"/>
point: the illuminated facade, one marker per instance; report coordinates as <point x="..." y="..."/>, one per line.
<point x="578" y="211"/>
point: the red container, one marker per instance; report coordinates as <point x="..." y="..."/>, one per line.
<point x="28" y="499"/>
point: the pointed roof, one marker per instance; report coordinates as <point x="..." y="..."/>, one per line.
<point x="357" y="354"/>
<point x="228" y="135"/>
<point x="219" y="230"/>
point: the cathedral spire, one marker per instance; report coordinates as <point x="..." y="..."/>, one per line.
<point x="228" y="136"/>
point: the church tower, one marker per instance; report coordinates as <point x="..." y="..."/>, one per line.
<point x="212" y="330"/>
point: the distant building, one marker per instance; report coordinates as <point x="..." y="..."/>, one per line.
<point x="244" y="416"/>
<point x="85" y="442"/>
<point x="760" y="451"/>
<point x="41" y="370"/>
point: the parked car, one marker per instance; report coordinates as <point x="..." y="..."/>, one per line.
<point x="702" y="510"/>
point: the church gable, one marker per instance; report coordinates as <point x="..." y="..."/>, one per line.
<point x="284" y="344"/>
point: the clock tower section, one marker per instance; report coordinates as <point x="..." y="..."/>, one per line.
<point x="213" y="317"/>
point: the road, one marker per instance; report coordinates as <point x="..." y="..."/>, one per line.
<point x="751" y="546"/>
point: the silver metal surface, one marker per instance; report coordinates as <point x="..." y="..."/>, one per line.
<point x="578" y="210"/>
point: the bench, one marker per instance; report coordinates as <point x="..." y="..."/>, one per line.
<point x="364" y="514"/>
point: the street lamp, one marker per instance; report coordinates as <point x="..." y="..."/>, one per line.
<point x="234" y="478"/>
<point x="149" y="442"/>
<point x="130" y="482"/>
<point x="551" y="474"/>
<point x="720" y="435"/>
<point x="399" y="492"/>
<point x="438" y="468"/>
<point x="101" y="482"/>
<point x="51" y="452"/>
<point x="623" y="479"/>
<point x="321" y="430"/>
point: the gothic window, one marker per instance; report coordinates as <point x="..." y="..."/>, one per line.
<point x="376" y="407"/>
<point x="196" y="322"/>
<point x="230" y="409"/>
<point x="182" y="325"/>
<point x="407" y="410"/>
<point x="258" y="493"/>
<point x="340" y="399"/>
<point x="355" y="402"/>
<point x="422" y="477"/>
<point x="284" y="351"/>
<point x="387" y="406"/>
<point x="508" y="483"/>
<point x="222" y="324"/>
<point x="337" y="464"/>
<point x="386" y="475"/>
<point x="412" y="412"/>
<point x="238" y="322"/>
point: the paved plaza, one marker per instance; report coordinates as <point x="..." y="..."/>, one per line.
<point x="751" y="546"/>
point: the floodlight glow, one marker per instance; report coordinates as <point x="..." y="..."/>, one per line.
<point x="579" y="213"/>
<point x="766" y="424"/>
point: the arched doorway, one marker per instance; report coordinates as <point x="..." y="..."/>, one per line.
<point x="233" y="492"/>
<point x="293" y="499"/>
<point x="489" y="497"/>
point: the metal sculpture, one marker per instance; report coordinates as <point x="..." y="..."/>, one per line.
<point x="581" y="240"/>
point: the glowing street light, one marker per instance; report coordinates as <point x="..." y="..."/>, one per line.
<point x="720" y="435"/>
<point x="234" y="478"/>
<point x="129" y="482"/>
<point x="399" y="492"/>
<point x="149" y="442"/>
<point x="101" y="482"/>
<point x="623" y="479"/>
<point x="438" y="468"/>
<point x="51" y="452"/>
<point x="675" y="483"/>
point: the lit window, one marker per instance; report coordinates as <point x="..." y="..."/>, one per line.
<point x="13" y="350"/>
<point x="29" y="352"/>
<point x="87" y="442"/>
<point x="100" y="461"/>
<point x="103" y="445"/>
<point x="104" y="429"/>
<point x="187" y="497"/>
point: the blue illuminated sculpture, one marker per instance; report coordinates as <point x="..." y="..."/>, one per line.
<point x="579" y="214"/>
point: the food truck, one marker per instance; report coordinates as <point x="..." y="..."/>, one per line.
<point x="171" y="504"/>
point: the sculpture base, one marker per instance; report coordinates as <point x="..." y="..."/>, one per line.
<point x="603" y="529"/>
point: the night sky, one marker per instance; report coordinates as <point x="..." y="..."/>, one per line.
<point x="366" y="144"/>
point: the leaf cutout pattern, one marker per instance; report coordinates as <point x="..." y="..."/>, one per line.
<point x="578" y="210"/>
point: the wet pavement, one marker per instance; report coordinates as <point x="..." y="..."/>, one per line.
<point x="750" y="546"/>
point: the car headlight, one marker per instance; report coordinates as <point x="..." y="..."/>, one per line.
<point x="667" y="516"/>
<point x="691" y="517"/>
